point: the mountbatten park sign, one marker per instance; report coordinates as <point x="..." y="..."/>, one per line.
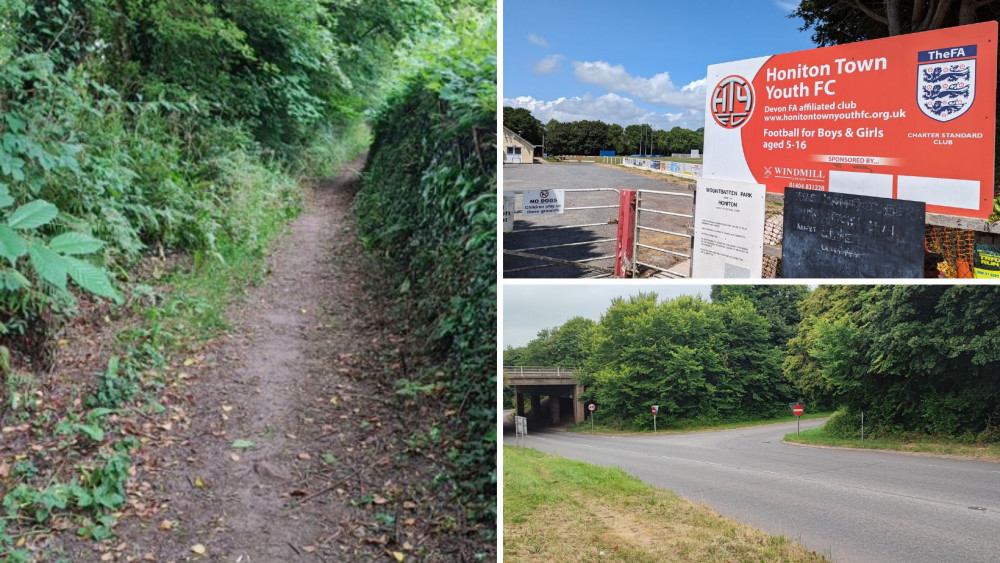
<point x="908" y="117"/>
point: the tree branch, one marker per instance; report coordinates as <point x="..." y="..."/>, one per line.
<point x="967" y="12"/>
<point x="895" y="17"/>
<point x="919" y="8"/>
<point x="942" y="10"/>
<point x="868" y="11"/>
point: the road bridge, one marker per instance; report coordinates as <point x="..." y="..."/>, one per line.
<point x="559" y="384"/>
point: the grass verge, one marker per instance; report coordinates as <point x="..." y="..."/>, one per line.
<point x="695" y="426"/>
<point x="920" y="444"/>
<point x="556" y="509"/>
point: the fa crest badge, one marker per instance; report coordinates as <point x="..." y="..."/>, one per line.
<point x="946" y="82"/>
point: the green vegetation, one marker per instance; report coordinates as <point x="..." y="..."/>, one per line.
<point x="561" y="510"/>
<point x="910" y="443"/>
<point x="917" y="360"/>
<point x="427" y="216"/>
<point x="702" y="362"/>
<point x="587" y="137"/>
<point x="152" y="149"/>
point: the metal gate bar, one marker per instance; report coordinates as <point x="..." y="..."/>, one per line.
<point x="525" y="252"/>
<point x="639" y="227"/>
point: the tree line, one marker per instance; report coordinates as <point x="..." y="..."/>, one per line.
<point x="914" y="359"/>
<point x="588" y="137"/>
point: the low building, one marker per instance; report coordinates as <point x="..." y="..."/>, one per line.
<point x="516" y="149"/>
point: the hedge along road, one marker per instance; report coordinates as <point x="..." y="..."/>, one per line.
<point x="576" y="176"/>
<point x="850" y="505"/>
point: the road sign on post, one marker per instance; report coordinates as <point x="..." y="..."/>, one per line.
<point x="521" y="428"/>
<point x="798" y="409"/>
<point x="592" y="408"/>
<point x="655" y="409"/>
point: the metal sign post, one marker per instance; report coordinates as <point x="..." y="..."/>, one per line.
<point x="592" y="407"/>
<point x="798" y="409"/>
<point x="656" y="408"/>
<point x="520" y="428"/>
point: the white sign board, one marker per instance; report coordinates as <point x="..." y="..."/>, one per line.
<point x="728" y="229"/>
<point x="508" y="212"/>
<point x="543" y="202"/>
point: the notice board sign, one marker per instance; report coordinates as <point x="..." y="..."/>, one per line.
<point x="508" y="211"/>
<point x="728" y="230"/>
<point x="986" y="261"/>
<point x="832" y="235"/>
<point x="543" y="202"/>
<point x="909" y="117"/>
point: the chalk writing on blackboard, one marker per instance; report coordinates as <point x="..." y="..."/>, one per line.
<point x="834" y="235"/>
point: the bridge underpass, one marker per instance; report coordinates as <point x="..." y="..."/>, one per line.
<point x="558" y="385"/>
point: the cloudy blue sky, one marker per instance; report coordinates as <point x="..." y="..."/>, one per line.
<point x="634" y="62"/>
<point x="530" y="307"/>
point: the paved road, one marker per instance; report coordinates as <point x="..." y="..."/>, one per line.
<point x="575" y="176"/>
<point x="849" y="505"/>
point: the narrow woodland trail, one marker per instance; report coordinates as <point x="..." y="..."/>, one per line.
<point x="285" y="379"/>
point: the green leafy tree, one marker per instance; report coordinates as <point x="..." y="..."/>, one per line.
<point x="779" y="304"/>
<point x="522" y="122"/>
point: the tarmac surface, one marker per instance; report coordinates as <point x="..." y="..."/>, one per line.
<point x="850" y="505"/>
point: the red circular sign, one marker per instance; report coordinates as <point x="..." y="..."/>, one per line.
<point x="732" y="102"/>
<point x="591" y="406"/>
<point x="797" y="410"/>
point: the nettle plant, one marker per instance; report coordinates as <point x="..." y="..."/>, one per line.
<point x="53" y="261"/>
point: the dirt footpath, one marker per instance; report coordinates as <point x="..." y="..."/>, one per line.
<point x="282" y="448"/>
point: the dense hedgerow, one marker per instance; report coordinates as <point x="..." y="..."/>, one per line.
<point x="131" y="127"/>
<point x="427" y="211"/>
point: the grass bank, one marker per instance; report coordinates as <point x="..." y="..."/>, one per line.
<point x="693" y="426"/>
<point x="917" y="444"/>
<point x="556" y="509"/>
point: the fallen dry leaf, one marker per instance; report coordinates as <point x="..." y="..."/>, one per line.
<point x="227" y="408"/>
<point x="234" y="456"/>
<point x="409" y="505"/>
<point x="304" y="456"/>
<point x="166" y="525"/>
<point x="379" y="499"/>
<point x="198" y="548"/>
<point x="398" y="556"/>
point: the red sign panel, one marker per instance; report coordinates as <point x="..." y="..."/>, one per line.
<point x="907" y="117"/>
<point x="798" y="410"/>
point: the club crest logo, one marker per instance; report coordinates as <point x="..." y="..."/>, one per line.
<point x="946" y="82"/>
<point x="732" y="102"/>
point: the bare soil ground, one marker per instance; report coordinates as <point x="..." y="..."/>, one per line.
<point x="284" y="440"/>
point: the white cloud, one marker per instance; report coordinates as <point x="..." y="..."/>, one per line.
<point x="657" y="90"/>
<point x="547" y="65"/>
<point x="538" y="40"/>
<point x="609" y="108"/>
<point x="785" y="5"/>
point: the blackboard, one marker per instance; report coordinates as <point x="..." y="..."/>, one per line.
<point x="834" y="235"/>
